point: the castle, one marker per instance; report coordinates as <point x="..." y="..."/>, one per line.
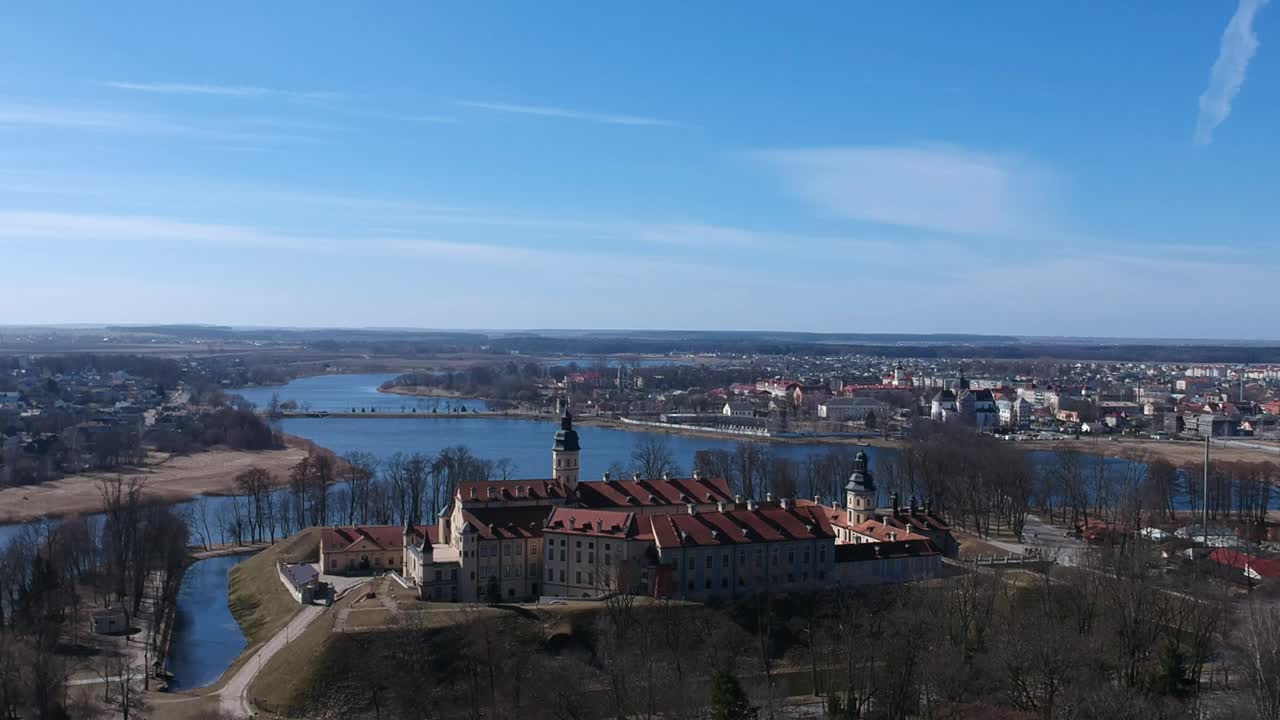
<point x="692" y="538"/>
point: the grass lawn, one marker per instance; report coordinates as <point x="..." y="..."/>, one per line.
<point x="258" y="600"/>
<point x="286" y="678"/>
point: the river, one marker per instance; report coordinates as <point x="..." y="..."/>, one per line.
<point x="206" y="638"/>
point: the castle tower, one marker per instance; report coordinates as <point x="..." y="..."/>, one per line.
<point x="860" y="493"/>
<point x="564" y="454"/>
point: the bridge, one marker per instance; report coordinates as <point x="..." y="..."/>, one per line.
<point x="415" y="414"/>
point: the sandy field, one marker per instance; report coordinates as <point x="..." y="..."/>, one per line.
<point x="1178" y="452"/>
<point x="421" y="391"/>
<point x="168" y="479"/>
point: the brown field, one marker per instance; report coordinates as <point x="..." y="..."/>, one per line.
<point x="1178" y="452"/>
<point x="167" y="478"/>
<point x="422" y="391"/>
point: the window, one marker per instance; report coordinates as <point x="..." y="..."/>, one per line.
<point x="724" y="582"/>
<point x="806" y="556"/>
<point x="690" y="584"/>
<point x="561" y="554"/>
<point x="606" y="547"/>
<point x="577" y="578"/>
<point x="822" y="554"/>
<point x="551" y="553"/>
<point x="608" y="559"/>
<point x="675" y="564"/>
<point x="591" y="546"/>
<point x="562" y="575"/>
<point x="578" y="556"/>
<point x="710" y="561"/>
<point x="724" y="560"/>
<point x="453" y="575"/>
<point x="579" y="543"/>
<point x="591" y="557"/>
<point x="707" y="584"/>
<point x="551" y="574"/>
<point x="473" y="574"/>
<point x="439" y="575"/>
<point x="822" y="574"/>
<point x="791" y="557"/>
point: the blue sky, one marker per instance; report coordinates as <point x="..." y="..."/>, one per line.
<point x="1084" y="168"/>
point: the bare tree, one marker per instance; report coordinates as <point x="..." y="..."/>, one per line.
<point x="1260" y="643"/>
<point x="651" y="457"/>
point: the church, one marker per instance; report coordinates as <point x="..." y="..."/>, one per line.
<point x="688" y="538"/>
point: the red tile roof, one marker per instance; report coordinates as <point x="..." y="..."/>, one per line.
<point x="737" y="527"/>
<point x="506" y="523"/>
<point x="603" y="523"/>
<point x="641" y="493"/>
<point x="882" y="532"/>
<point x="1234" y="558"/>
<point x="504" y="490"/>
<point x="386" y="537"/>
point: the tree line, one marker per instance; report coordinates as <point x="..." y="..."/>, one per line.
<point x="55" y="574"/>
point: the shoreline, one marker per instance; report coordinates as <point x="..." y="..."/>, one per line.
<point x="425" y="391"/>
<point x="168" y="480"/>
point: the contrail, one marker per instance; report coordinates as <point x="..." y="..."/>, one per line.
<point x="1239" y="43"/>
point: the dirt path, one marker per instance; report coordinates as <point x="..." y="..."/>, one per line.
<point x="233" y="697"/>
<point x="168" y="479"/>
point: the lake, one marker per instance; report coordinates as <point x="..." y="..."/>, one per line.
<point x="347" y="393"/>
<point x="206" y="638"/>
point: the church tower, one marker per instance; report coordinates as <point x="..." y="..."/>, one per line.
<point x="860" y="493"/>
<point x="564" y="454"/>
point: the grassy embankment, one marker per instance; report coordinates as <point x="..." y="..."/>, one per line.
<point x="258" y="600"/>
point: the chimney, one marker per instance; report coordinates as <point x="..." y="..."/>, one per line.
<point x="720" y="507"/>
<point x="606" y="477"/>
<point x="697" y="474"/>
<point x="817" y="500"/>
<point x="635" y="476"/>
<point x="737" y="499"/>
<point x="693" y="509"/>
<point x="893" y="503"/>
<point x="751" y="505"/>
<point x="768" y="498"/>
<point x="914" y="507"/>
<point x="666" y="476"/>
<point x="785" y="503"/>
<point x="599" y="525"/>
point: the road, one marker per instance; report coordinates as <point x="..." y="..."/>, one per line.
<point x="1053" y="542"/>
<point x="233" y="697"/>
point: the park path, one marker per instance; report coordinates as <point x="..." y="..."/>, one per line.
<point x="1052" y="542"/>
<point x="233" y="697"/>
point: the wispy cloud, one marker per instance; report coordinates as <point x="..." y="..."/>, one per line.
<point x="935" y="188"/>
<point x="1239" y="43"/>
<point x="106" y="120"/>
<point x="235" y="91"/>
<point x="556" y="112"/>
